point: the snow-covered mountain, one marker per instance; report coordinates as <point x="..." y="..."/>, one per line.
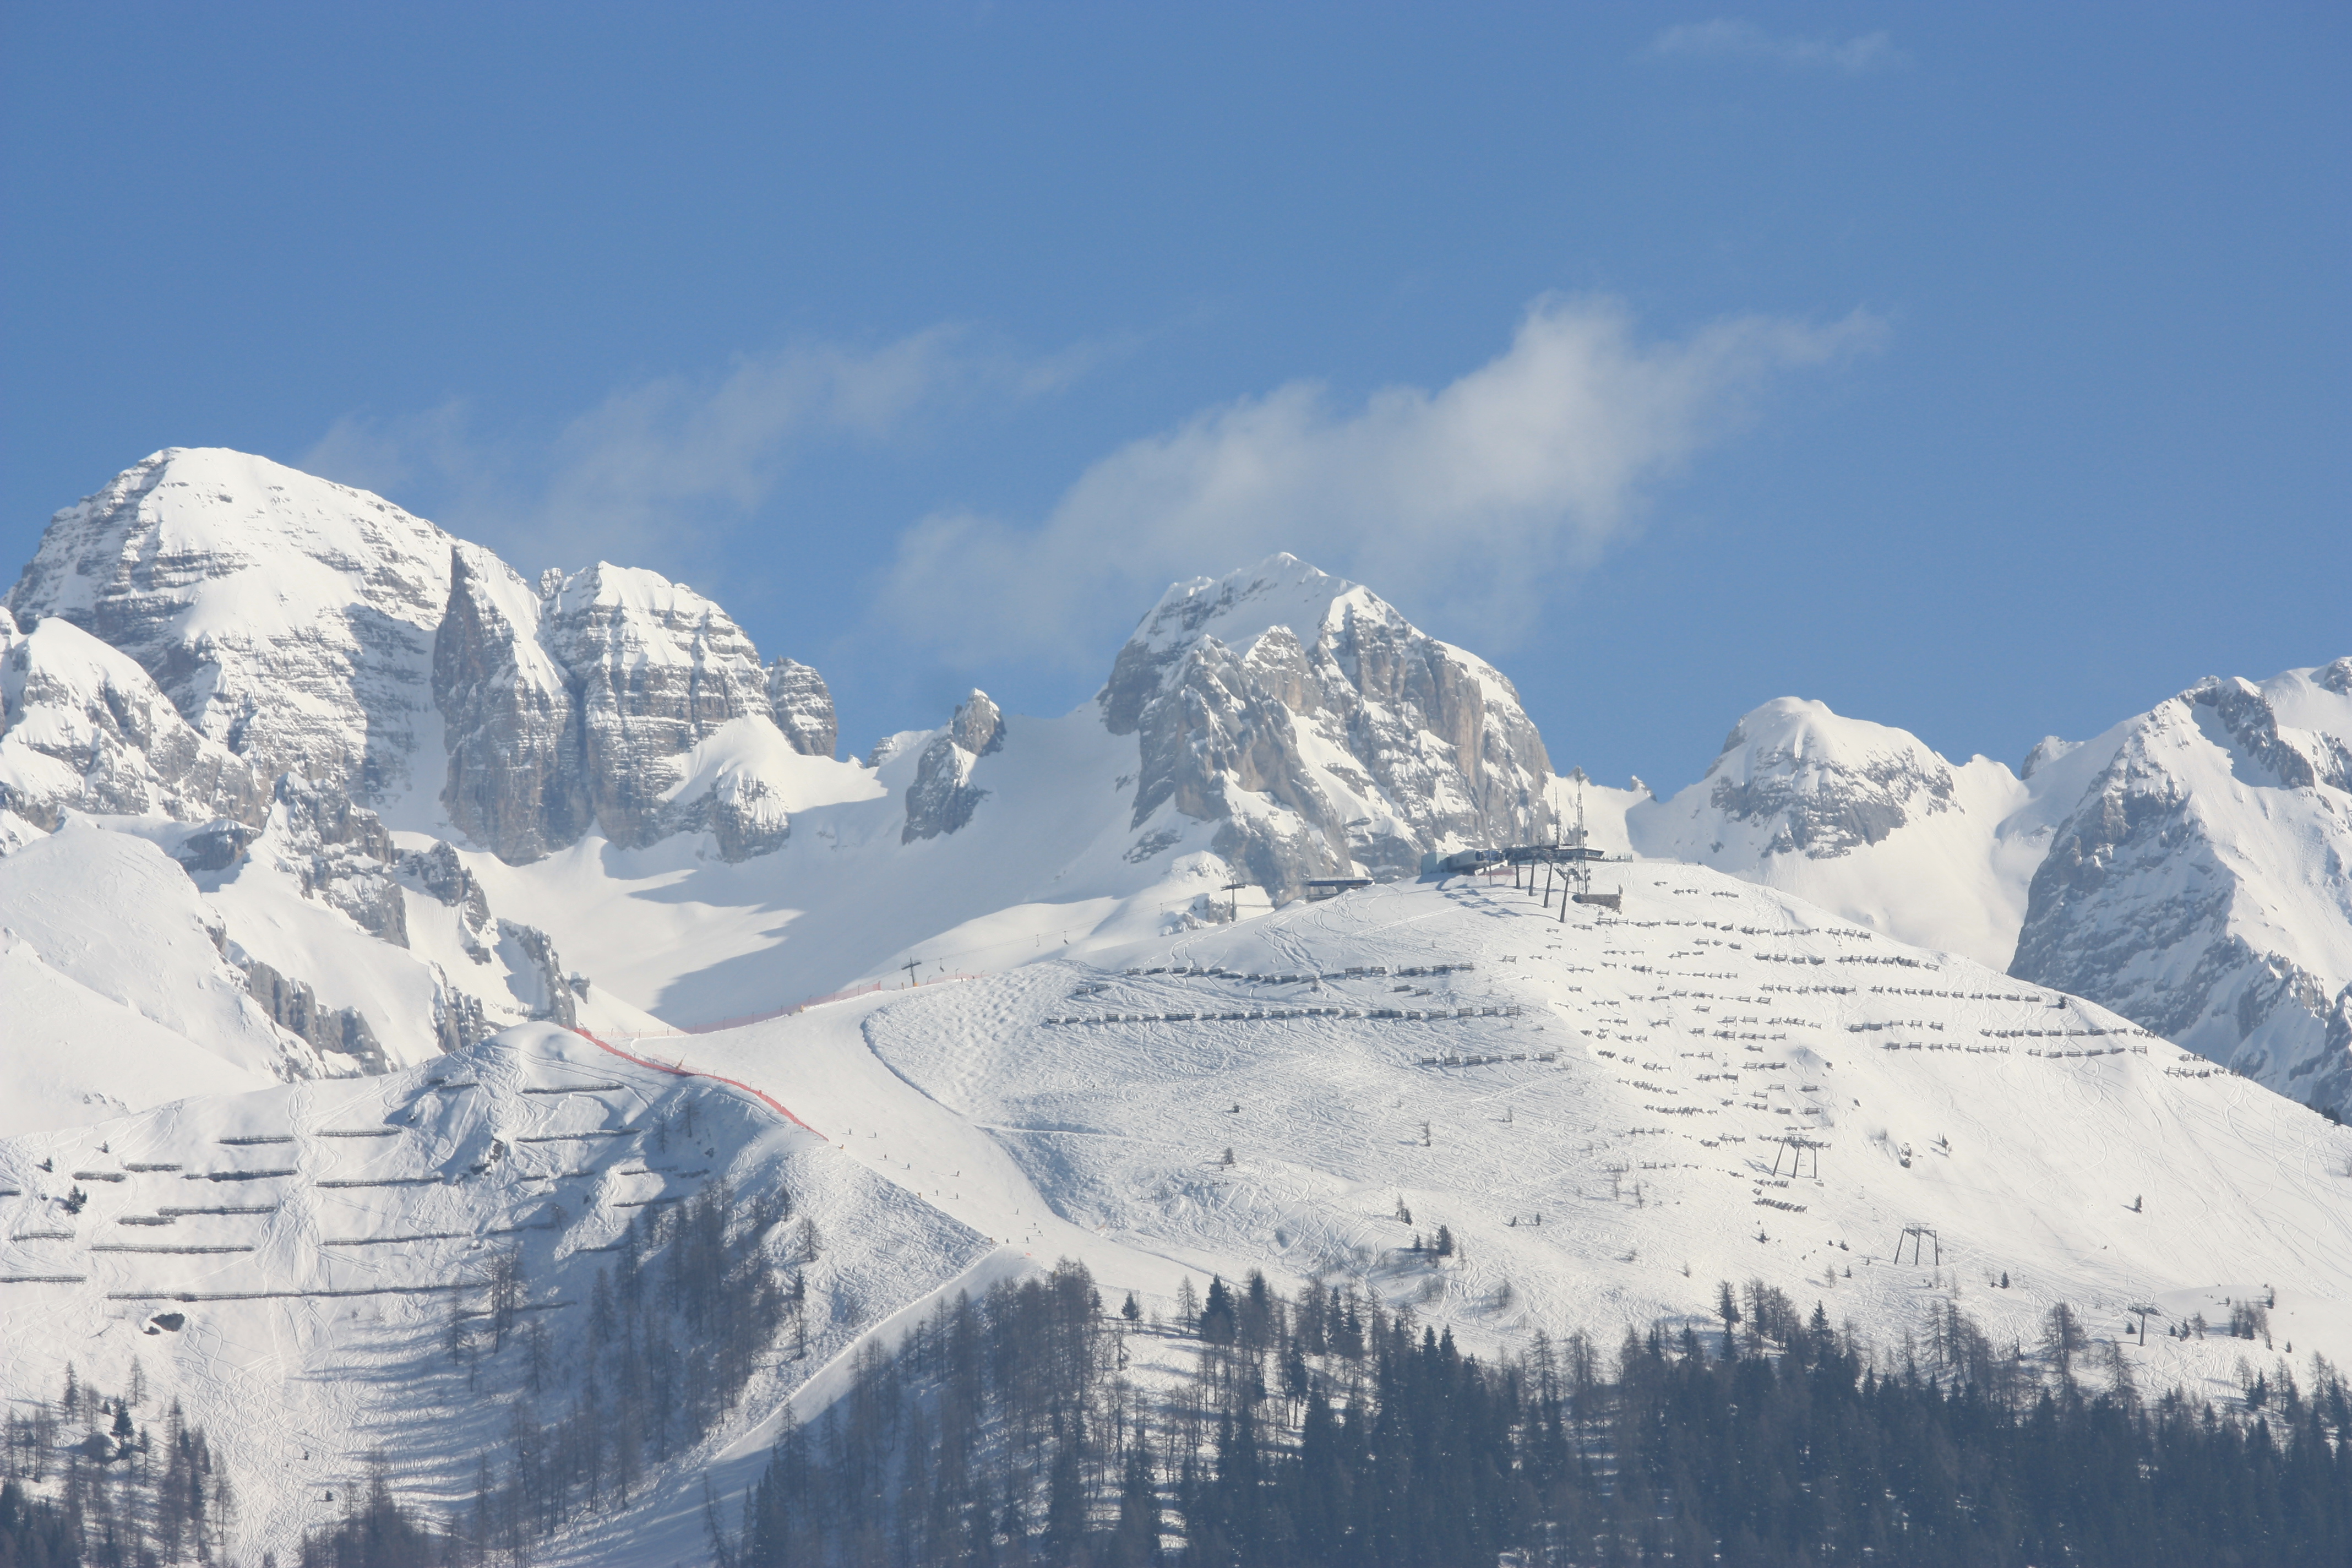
<point x="2201" y="885"/>
<point x="326" y="837"/>
<point x="1609" y="1115"/>
<point x="1862" y="819"/>
<point x="286" y="617"/>
<point x="2190" y="868"/>
<point x="437" y="797"/>
<point x="428" y="796"/>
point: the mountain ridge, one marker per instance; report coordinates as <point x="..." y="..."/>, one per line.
<point x="292" y="684"/>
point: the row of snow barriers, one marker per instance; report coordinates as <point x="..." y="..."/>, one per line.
<point x="1254" y="1014"/>
<point x="1362" y="971"/>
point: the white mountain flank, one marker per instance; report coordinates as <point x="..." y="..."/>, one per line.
<point x="1607" y="1114"/>
<point x="324" y="837"/>
<point x="437" y="796"/>
<point x="2190" y="868"/>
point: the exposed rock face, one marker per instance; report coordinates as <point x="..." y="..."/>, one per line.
<point x="343" y="857"/>
<point x="2202" y="886"/>
<point x="286" y="617"/>
<point x="657" y="668"/>
<point x="943" y="797"/>
<point x="1794" y="779"/>
<point x="84" y="728"/>
<point x="1321" y="729"/>
<point x="293" y="1006"/>
<point x="511" y="719"/>
<point x="1869" y="822"/>
<point x="534" y="957"/>
<point x="438" y="872"/>
<point x="285" y="663"/>
<point x="803" y="706"/>
<point x="1820" y="803"/>
<point x="583" y="702"/>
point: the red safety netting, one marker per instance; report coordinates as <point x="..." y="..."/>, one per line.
<point x="677" y="1071"/>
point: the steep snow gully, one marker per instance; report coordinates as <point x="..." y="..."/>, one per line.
<point x="371" y="916"/>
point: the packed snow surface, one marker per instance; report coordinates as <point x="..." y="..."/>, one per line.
<point x="1607" y="1114"/>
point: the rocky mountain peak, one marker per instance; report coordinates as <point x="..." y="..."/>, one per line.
<point x="1803" y="779"/>
<point x="1367" y="741"/>
<point x="803" y="706"/>
<point x="942" y="797"/>
<point x="286" y="617"/>
<point x="2201" y="885"/>
<point x="583" y="703"/>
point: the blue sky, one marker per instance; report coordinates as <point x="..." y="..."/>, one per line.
<point x="1985" y="370"/>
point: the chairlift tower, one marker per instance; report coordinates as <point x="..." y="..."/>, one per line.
<point x="1796" y="1148"/>
<point x="1919" y="1236"/>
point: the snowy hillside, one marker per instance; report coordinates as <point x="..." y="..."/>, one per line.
<point x="2190" y="868"/>
<point x="1608" y="1115"/>
<point x="2202" y="883"/>
<point x="314" y="1270"/>
<point x="435" y="797"/>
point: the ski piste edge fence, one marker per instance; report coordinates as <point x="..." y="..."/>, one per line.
<point x="678" y="1070"/>
<point x="674" y="1070"/>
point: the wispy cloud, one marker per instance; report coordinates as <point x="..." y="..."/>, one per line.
<point x="1465" y="502"/>
<point x="677" y="460"/>
<point x="1726" y="37"/>
<point x="1464" y="498"/>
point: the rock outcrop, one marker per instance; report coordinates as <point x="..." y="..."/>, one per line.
<point x="512" y="719"/>
<point x="84" y="728"/>
<point x="293" y="1006"/>
<point x="538" y="978"/>
<point x="802" y="705"/>
<point x="657" y="667"/>
<point x="586" y="701"/>
<point x="1821" y="786"/>
<point x="943" y="797"/>
<point x="439" y="873"/>
<point x="1321" y="729"/>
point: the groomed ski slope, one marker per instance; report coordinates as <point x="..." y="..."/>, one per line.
<point x="1690" y="1037"/>
<point x="1631" y="1080"/>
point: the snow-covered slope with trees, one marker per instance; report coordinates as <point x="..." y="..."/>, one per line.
<point x="324" y="837"/>
<point x="1607" y="1115"/>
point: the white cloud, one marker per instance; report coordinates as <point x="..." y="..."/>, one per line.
<point x="1461" y="499"/>
<point x="678" y="458"/>
<point x="1722" y="36"/>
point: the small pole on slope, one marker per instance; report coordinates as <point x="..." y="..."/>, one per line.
<point x="1234" y="905"/>
<point x="910" y="967"/>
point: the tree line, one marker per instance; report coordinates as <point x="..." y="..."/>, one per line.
<point x="1013" y="1430"/>
<point x="100" y="1481"/>
<point x="1324" y="1430"/>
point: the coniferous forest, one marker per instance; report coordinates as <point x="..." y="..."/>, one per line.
<point x="1323" y="1429"/>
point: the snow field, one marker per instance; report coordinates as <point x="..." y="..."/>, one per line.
<point x="314" y="1238"/>
<point x="1695" y="1036"/>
